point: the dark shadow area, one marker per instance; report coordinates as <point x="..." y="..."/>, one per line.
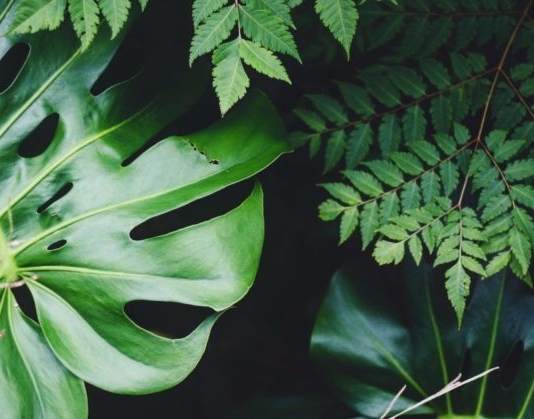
<point x="40" y="138"/>
<point x="11" y="65"/>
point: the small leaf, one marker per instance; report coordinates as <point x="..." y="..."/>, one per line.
<point x="356" y="98"/>
<point x="416" y="249"/>
<point x="461" y="133"/>
<point x="365" y="182"/>
<point x="116" y="13"/>
<point x="430" y="185"/>
<point x="457" y="285"/>
<point x="369" y="223"/>
<point x="410" y="196"/>
<point x="349" y="222"/>
<point x="389" y="135"/>
<point x="386" y="172"/>
<point x="387" y="252"/>
<point x="407" y="162"/>
<point x="262" y="60"/>
<point x="277" y="8"/>
<point x="381" y="88"/>
<point x="358" y="144"/>
<point x="425" y="151"/>
<point x="85" y="18"/>
<point x="389" y="207"/>
<point x="508" y="150"/>
<point x="521" y="249"/>
<point x="340" y="17"/>
<point x="312" y="119"/>
<point x="449" y="176"/>
<point x="435" y="72"/>
<point x="330" y="210"/>
<point x="335" y="147"/>
<point x="216" y="28"/>
<point x="330" y="108"/>
<point x="498" y="263"/>
<point x="229" y="77"/>
<point x="519" y="169"/>
<point x="203" y="8"/>
<point x="497" y="205"/>
<point x="523" y="194"/>
<point x="473" y="265"/>
<point x="35" y="15"/>
<point x="393" y="232"/>
<point x="343" y="192"/>
<point x="445" y="143"/>
<point x="441" y="112"/>
<point x="414" y="124"/>
<point x="260" y="27"/>
<point x="408" y="81"/>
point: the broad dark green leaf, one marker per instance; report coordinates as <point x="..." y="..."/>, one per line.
<point x="370" y="343"/>
<point x="69" y="214"/>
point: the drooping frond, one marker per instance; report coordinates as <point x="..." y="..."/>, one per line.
<point x="36" y="15"/>
<point x="434" y="140"/>
<point x="85" y="15"/>
<point x="340" y="17"/>
<point x="116" y="13"/>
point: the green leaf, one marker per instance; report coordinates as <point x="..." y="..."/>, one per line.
<point x="497" y="205"/>
<point x="262" y="60"/>
<point x="473" y="265"/>
<point x="449" y="176"/>
<point x="410" y="196"/>
<point x="229" y="78"/>
<point x="441" y="112"/>
<point x="416" y="249"/>
<point x="393" y="232"/>
<point x="521" y="71"/>
<point x="498" y="263"/>
<point x="386" y="172"/>
<point x="34" y="382"/>
<point x="203" y="8"/>
<point x="387" y="252"/>
<point x="260" y="27"/>
<point x="343" y="192"/>
<point x="457" y="286"/>
<point x="277" y="8"/>
<point x="356" y="98"/>
<point x="430" y="186"/>
<point x="389" y="135"/>
<point x="349" y="222"/>
<point x="523" y="194"/>
<point x="85" y="18"/>
<point x="389" y="207"/>
<point x="36" y="15"/>
<point x="461" y="133"/>
<point x="329" y="210"/>
<point x="85" y="254"/>
<point x="116" y="13"/>
<point x="508" y="150"/>
<point x="369" y="222"/>
<point x="312" y="119"/>
<point x="215" y="29"/>
<point x="425" y="151"/>
<point x="407" y="162"/>
<point x="435" y="72"/>
<point x="364" y="182"/>
<point x="330" y="108"/>
<point x="521" y="249"/>
<point x="414" y="124"/>
<point x="519" y="169"/>
<point x="381" y="87"/>
<point x="335" y="147"/>
<point x="359" y="141"/>
<point x="340" y="17"/>
<point x="408" y="81"/>
<point x="408" y="335"/>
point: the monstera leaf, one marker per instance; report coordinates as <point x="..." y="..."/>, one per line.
<point x="75" y="181"/>
<point x="374" y="335"/>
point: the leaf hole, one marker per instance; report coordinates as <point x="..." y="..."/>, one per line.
<point x="37" y="141"/>
<point x="193" y="213"/>
<point x="64" y="190"/>
<point x="172" y="320"/>
<point x="57" y="245"/>
<point x="510" y="366"/>
<point x="127" y="62"/>
<point x="25" y="301"/>
<point x="11" y="65"/>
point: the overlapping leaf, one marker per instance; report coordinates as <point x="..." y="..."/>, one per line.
<point x="68" y="213"/>
<point x="369" y="344"/>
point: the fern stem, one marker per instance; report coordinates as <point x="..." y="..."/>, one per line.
<point x="493" y="340"/>
<point x="499" y="71"/>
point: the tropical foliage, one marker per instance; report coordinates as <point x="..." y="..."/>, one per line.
<point x="434" y="140"/>
<point x="370" y="343"/>
<point x="71" y="224"/>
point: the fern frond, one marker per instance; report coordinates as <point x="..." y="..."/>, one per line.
<point x="85" y="19"/>
<point x="204" y="8"/>
<point x="269" y="31"/>
<point x="35" y="15"/>
<point x="262" y="60"/>
<point x="229" y="78"/>
<point x="277" y="8"/>
<point x="215" y="29"/>
<point x="116" y="13"/>
<point x="340" y="17"/>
